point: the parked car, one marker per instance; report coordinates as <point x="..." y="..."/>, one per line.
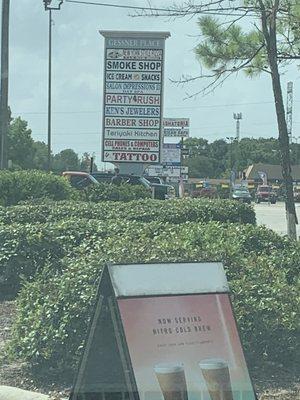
<point x="265" y="193"/>
<point x="296" y="192"/>
<point x="80" y="180"/>
<point x="154" y="179"/>
<point x="242" y="194"/>
<point x="161" y="191"/>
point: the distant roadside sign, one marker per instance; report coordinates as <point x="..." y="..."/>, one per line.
<point x="133" y="96"/>
<point x="172" y="132"/>
<point x="171" y="154"/>
<point x="176" y="122"/>
<point x="176" y="127"/>
<point x="185" y="152"/>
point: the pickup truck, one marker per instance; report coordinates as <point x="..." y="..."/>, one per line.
<point x="161" y="191"/>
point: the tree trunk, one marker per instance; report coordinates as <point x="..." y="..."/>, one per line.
<point x="271" y="42"/>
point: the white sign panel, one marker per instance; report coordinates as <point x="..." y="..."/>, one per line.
<point x="133" y="87"/>
<point x="176" y="127"/>
<point x="176" y="122"/>
<point x="133" y="94"/>
<point x="132" y="134"/>
<point x="172" y="132"/>
<point x="131" y="156"/>
<point x="171" y="154"/>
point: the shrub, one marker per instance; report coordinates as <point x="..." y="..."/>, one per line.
<point x="54" y="310"/>
<point x="175" y="211"/>
<point x="24" y="185"/>
<point x="125" y="192"/>
<point x="27" y="249"/>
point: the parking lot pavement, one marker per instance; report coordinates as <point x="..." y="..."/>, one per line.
<point x="273" y="216"/>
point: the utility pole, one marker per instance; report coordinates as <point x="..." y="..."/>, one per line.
<point x="49" y="7"/>
<point x="4" y="114"/>
<point x="231" y="167"/>
<point x="237" y="117"/>
<point x="296" y="138"/>
<point x="289" y="109"/>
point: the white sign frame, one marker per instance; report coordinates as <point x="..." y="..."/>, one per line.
<point x="141" y="55"/>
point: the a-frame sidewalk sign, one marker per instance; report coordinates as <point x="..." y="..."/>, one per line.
<point x="163" y="331"/>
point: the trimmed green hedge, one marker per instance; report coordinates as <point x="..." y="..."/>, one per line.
<point x="175" y="211"/>
<point x="57" y="228"/>
<point x="25" y="185"/>
<point x="34" y="186"/>
<point x="125" y="192"/>
<point x="27" y="249"/>
<point x="54" y="310"/>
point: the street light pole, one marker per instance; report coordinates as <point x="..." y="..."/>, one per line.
<point x="232" y="172"/>
<point x="49" y="89"/>
<point x="4" y="114"/>
<point x="49" y="7"/>
<point x="237" y="117"/>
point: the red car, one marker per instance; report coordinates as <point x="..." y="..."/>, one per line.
<point x="265" y="193"/>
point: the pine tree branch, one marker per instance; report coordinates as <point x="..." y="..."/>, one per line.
<point x="220" y="76"/>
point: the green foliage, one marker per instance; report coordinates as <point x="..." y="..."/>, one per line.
<point x="24" y="185"/>
<point x="20" y="144"/>
<point x="40" y="158"/>
<point x="174" y="211"/>
<point x="26" y="249"/>
<point x="215" y="159"/>
<point x="54" y="310"/>
<point x="125" y="192"/>
<point x="31" y="236"/>
<point x="59" y="258"/>
<point x="26" y="153"/>
<point x="66" y="160"/>
<point x="228" y="47"/>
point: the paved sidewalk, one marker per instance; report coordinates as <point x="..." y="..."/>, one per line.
<point x="11" y="393"/>
<point x="273" y="216"/>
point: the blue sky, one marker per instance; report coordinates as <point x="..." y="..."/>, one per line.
<point x="78" y="72"/>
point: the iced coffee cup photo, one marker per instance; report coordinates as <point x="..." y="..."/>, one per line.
<point x="217" y="378"/>
<point x="171" y="379"/>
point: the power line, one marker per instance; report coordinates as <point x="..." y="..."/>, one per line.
<point x="172" y="12"/>
<point x="118" y="5"/>
<point x="166" y="108"/>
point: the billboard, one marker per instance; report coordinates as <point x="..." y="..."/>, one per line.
<point x="133" y="96"/>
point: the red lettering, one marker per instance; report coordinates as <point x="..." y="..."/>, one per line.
<point x="138" y="157"/>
